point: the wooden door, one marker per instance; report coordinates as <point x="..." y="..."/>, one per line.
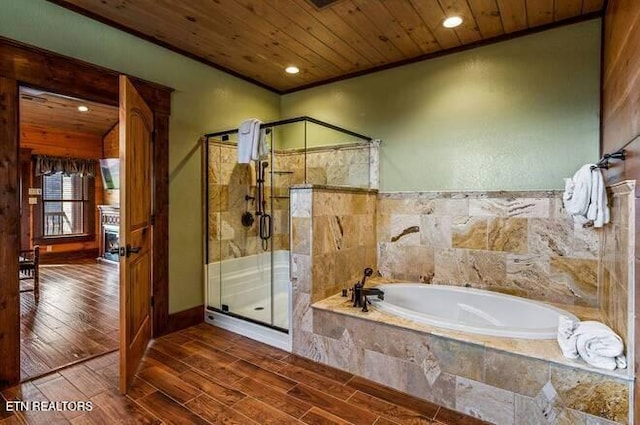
<point x="25" y="207"/>
<point x="9" y="235"/>
<point x="136" y="133"/>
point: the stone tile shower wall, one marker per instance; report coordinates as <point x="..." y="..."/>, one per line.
<point x="229" y="182"/>
<point x="340" y="165"/>
<point x="344" y="239"/>
<point x="519" y="243"/>
<point x="332" y="241"/>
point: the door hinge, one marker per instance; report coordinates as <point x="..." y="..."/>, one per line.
<point x="153" y="219"/>
<point x="153" y="135"/>
<point x="152" y="301"/>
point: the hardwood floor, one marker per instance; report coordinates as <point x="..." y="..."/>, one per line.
<point x="76" y="317"/>
<point x="205" y="375"/>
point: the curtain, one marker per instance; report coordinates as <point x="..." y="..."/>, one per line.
<point x="46" y="165"/>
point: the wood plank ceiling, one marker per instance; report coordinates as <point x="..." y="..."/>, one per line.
<point x="257" y="39"/>
<point x="51" y="111"/>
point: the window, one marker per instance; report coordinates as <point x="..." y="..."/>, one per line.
<point x="67" y="209"/>
<point x="64" y="200"/>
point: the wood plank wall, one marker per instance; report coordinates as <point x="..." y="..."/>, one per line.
<point x="9" y="232"/>
<point x="621" y="114"/>
<point x="620" y="86"/>
<point x="51" y="141"/>
<point x="111" y="143"/>
<point x="57" y="142"/>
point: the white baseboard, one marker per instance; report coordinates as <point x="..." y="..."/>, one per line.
<point x="260" y="333"/>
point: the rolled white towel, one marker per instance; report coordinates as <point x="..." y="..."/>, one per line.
<point x="621" y="362"/>
<point x="598" y="344"/>
<point x="567" y="337"/>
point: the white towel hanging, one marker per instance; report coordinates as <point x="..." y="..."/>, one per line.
<point x="598" y="208"/>
<point x="585" y="196"/>
<point x="246" y="135"/>
<point x="263" y="147"/>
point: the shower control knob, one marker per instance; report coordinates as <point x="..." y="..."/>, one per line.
<point x="247" y="219"/>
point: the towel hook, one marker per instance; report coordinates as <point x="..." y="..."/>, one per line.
<point x="620" y="154"/>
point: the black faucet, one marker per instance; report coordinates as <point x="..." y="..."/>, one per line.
<point x="359" y="299"/>
<point x="356" y="296"/>
<point x="370" y="291"/>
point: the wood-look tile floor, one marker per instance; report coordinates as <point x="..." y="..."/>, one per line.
<point x="207" y="375"/>
<point x="75" y="318"/>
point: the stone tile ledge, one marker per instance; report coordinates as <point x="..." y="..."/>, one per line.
<point x="546" y="350"/>
<point x="333" y="188"/>
<point x="623" y="187"/>
<point x="471" y="194"/>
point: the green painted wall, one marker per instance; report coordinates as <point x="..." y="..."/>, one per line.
<point x="204" y="100"/>
<point x="516" y="115"/>
<point x="297" y="134"/>
<point x="520" y="114"/>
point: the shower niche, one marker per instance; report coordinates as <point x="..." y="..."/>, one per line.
<point x="247" y="285"/>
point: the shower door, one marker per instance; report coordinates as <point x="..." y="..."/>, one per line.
<point x="241" y="230"/>
<point x="248" y="226"/>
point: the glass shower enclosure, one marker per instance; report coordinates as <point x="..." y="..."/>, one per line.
<point x="247" y="211"/>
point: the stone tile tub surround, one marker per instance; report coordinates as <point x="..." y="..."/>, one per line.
<point x="332" y="240"/>
<point x="345" y="350"/>
<point x="333" y="237"/>
<point x="472" y="377"/>
<point x="519" y="243"/>
<point x="616" y="273"/>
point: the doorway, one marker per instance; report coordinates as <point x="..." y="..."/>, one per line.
<point x="60" y="74"/>
<point x="69" y="305"/>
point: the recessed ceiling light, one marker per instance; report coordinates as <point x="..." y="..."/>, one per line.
<point x="452" y="22"/>
<point x="292" y="69"/>
<point x="83" y="108"/>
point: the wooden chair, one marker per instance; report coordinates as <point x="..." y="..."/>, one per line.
<point x="29" y="263"/>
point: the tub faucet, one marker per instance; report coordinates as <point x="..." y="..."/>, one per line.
<point x="370" y="291"/>
<point x="359" y="286"/>
<point x="356" y="294"/>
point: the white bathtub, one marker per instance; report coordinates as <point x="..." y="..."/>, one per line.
<point x="470" y="310"/>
